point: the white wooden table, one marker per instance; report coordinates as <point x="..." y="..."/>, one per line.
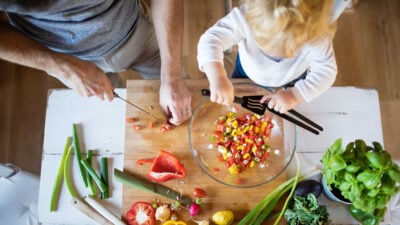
<point x="102" y="126"/>
<point x="344" y="112"/>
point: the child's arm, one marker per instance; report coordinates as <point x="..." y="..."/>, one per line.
<point x="220" y="86"/>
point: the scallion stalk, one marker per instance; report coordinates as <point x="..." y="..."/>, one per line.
<point x="92" y="188"/>
<point x="291" y="192"/>
<point x="66" y="174"/>
<point x="262" y="210"/>
<point x="104" y="176"/>
<point x="78" y="152"/>
<point x="100" y="184"/>
<point x="57" y="184"/>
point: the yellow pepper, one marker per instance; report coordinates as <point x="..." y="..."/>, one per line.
<point x="174" y="222"/>
<point x="233" y="169"/>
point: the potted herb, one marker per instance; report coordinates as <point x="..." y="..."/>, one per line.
<point x="306" y="211"/>
<point x="364" y="175"/>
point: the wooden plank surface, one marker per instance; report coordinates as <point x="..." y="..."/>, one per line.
<point x="147" y="142"/>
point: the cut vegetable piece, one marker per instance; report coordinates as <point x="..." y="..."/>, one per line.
<point x="165" y="167"/>
<point x="60" y="174"/>
<point x="68" y="183"/>
<point x="264" y="208"/>
<point x="89" y="179"/>
<point x="78" y="152"/>
<point x="104" y="176"/>
<point x="85" y="209"/>
<point x="103" y="188"/>
<point x="103" y="211"/>
<point x="131" y="119"/>
<point x="141" y="213"/>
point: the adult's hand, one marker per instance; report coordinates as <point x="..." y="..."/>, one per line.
<point x="83" y="77"/>
<point x="175" y="101"/>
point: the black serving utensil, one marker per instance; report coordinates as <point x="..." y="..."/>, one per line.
<point x="253" y="104"/>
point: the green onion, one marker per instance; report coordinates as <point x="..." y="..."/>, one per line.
<point x="262" y="210"/>
<point x="100" y="184"/>
<point x="57" y="184"/>
<point x="66" y="174"/>
<point x="92" y="188"/>
<point x="296" y="180"/>
<point x="78" y="152"/>
<point x="104" y="175"/>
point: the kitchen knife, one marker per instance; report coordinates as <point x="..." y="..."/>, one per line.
<point x="137" y="107"/>
<point x="150" y="186"/>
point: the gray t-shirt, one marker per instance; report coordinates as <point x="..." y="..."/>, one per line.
<point x="88" y="29"/>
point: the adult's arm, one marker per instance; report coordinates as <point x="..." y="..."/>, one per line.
<point x="175" y="99"/>
<point x="84" y="77"/>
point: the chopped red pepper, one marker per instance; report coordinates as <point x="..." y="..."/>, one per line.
<point x="144" y="161"/>
<point x="137" y="127"/>
<point x="242" y="140"/>
<point x="131" y="119"/>
<point x="166" y="127"/>
<point x="165" y="167"/>
<point x="151" y="124"/>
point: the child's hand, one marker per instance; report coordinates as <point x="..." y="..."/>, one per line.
<point x="282" y="100"/>
<point x="221" y="87"/>
<point x="222" y="92"/>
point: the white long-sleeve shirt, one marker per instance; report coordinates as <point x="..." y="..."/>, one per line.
<point x="262" y="69"/>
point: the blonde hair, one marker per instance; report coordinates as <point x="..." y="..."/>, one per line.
<point x="286" y="25"/>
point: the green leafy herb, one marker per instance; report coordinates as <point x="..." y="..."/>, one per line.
<point x="364" y="174"/>
<point x="306" y="211"/>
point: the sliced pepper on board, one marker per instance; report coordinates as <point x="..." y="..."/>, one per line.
<point x="165" y="167"/>
<point x="141" y="213"/>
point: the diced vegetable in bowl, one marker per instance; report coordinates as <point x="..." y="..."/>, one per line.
<point x="237" y="147"/>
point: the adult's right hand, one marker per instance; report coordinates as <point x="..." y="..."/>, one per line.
<point x="84" y="77"/>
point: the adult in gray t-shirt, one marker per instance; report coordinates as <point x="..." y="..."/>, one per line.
<point x="79" y="41"/>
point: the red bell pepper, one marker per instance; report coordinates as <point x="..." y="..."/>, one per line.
<point x="165" y="167"/>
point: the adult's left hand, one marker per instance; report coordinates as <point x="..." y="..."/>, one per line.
<point x="175" y="101"/>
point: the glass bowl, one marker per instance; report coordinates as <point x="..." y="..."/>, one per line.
<point x="203" y="123"/>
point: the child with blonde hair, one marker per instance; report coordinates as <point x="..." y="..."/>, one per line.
<point x="282" y="44"/>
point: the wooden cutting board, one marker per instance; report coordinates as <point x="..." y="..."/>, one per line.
<point x="147" y="142"/>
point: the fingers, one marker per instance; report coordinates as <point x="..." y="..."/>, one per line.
<point x="274" y="103"/>
<point x="178" y="115"/>
<point x="221" y="99"/>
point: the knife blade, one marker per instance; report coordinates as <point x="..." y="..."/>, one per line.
<point x="149" y="186"/>
<point x="137" y="107"/>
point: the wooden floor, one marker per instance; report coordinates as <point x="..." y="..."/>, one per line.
<point x="367" y="50"/>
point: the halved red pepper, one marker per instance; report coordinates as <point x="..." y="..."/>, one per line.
<point x="165" y="167"/>
<point x="141" y="213"/>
